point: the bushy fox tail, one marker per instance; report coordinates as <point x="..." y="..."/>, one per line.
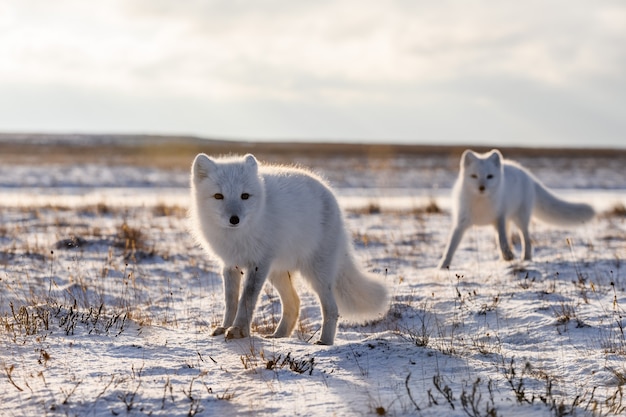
<point x="360" y="296"/>
<point x="551" y="209"/>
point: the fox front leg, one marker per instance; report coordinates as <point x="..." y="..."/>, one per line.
<point x="232" y="281"/>
<point x="453" y="242"/>
<point x="253" y="284"/>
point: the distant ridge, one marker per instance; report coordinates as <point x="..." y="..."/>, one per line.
<point x="173" y="150"/>
<point x="84" y="139"/>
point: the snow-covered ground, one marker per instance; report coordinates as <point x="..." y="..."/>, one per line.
<point x="107" y="303"/>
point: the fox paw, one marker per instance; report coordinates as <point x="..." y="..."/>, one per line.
<point x="235" y="332"/>
<point x="320" y="343"/>
<point x="279" y="333"/>
<point x="508" y="256"/>
<point x="218" y="331"/>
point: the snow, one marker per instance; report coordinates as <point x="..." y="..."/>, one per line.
<point x="107" y="303"/>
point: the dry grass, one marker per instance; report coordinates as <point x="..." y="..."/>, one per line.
<point x="374" y="208"/>
<point x="618" y="210"/>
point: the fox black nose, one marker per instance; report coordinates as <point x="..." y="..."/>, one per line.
<point x="234" y="220"/>
<point x="481" y="188"/>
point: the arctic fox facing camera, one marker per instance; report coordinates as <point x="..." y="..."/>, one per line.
<point x="269" y="222"/>
<point x="494" y="191"/>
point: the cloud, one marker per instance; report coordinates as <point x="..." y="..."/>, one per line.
<point x="479" y="58"/>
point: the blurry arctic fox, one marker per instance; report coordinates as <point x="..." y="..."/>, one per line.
<point x="267" y="222"/>
<point x="493" y="191"/>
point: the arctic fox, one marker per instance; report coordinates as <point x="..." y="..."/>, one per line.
<point x="493" y="191"/>
<point x="270" y="221"/>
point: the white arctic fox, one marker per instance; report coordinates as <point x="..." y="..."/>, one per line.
<point x="270" y="221"/>
<point x="493" y="191"/>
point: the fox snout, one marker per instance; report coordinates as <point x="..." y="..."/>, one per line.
<point x="234" y="220"/>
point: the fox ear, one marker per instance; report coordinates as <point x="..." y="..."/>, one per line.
<point x="495" y="156"/>
<point x="468" y="157"/>
<point x="251" y="161"/>
<point x="201" y="167"/>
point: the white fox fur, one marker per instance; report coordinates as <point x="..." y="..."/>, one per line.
<point x="270" y="221"/>
<point x="494" y="191"/>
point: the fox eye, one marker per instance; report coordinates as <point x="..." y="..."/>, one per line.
<point x="474" y="176"/>
<point x="218" y="196"/>
<point x="489" y="176"/>
<point x="245" y="196"/>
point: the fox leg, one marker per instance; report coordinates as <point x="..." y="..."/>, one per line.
<point x="321" y="276"/>
<point x="330" y="313"/>
<point x="289" y="301"/>
<point x="253" y="284"/>
<point x="527" y="245"/>
<point x="232" y="281"/>
<point x="522" y="222"/>
<point x="503" y="239"/>
<point x="453" y="242"/>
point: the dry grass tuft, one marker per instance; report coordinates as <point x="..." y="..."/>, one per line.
<point x="431" y="208"/>
<point x="618" y="210"/>
<point x="129" y="238"/>
<point x="164" y="210"/>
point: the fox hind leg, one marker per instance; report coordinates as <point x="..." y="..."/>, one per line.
<point x="322" y="283"/>
<point x="290" y="303"/>
<point x="503" y="239"/>
<point x="330" y="315"/>
<point x="522" y="221"/>
<point x="527" y="245"/>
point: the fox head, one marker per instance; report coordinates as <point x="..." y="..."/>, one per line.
<point x="228" y="192"/>
<point x="481" y="173"/>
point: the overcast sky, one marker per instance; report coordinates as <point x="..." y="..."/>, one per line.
<point x="533" y="72"/>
